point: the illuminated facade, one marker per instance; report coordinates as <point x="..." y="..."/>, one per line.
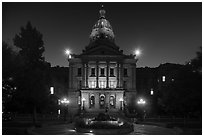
<point x="102" y="77"/>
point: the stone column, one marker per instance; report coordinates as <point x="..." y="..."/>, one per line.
<point x="107" y="74"/>
<point x="87" y="67"/>
<point x="121" y="74"/>
<point x="97" y="74"/>
<point x="117" y="75"/>
<point x="83" y="75"/>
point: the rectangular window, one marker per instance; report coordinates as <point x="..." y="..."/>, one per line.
<point x="102" y="84"/>
<point x="125" y="72"/>
<point x="102" y="72"/>
<point x="112" y="84"/>
<point x="92" y="84"/>
<point x="163" y="78"/>
<point x="92" y="72"/>
<point x="111" y="72"/>
<point x="51" y="90"/>
<point x="79" y="72"/>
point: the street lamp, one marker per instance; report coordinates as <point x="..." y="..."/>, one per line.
<point x="65" y="102"/>
<point x="141" y="101"/>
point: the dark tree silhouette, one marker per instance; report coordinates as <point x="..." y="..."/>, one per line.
<point x="32" y="78"/>
<point x="8" y="73"/>
<point x="196" y="63"/>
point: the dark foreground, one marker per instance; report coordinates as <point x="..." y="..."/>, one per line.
<point x="58" y="126"/>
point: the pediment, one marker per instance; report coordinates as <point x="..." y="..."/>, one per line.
<point x="102" y="50"/>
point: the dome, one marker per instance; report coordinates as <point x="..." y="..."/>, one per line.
<point x="102" y="28"/>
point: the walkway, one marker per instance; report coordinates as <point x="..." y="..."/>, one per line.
<point x="68" y="129"/>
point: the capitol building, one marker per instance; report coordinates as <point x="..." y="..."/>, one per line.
<point x="101" y="78"/>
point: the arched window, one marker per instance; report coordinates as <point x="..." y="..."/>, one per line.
<point x="92" y="101"/>
<point x="112" y="101"/>
<point x="102" y="101"/>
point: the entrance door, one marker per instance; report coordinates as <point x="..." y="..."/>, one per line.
<point x="102" y="101"/>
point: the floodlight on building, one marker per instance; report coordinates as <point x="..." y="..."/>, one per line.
<point x="68" y="53"/>
<point x="137" y="52"/>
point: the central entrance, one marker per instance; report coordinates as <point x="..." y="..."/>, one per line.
<point x="101" y="100"/>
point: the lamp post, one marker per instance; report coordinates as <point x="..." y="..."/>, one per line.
<point x="65" y="102"/>
<point x="141" y="102"/>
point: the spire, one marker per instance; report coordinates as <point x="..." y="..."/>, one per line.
<point x="102" y="12"/>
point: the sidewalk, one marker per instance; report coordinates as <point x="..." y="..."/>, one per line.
<point x="69" y="129"/>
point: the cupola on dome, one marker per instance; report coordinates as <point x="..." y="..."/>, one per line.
<point x="102" y="28"/>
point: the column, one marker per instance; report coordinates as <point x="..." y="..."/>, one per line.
<point x="107" y="74"/>
<point x="117" y="75"/>
<point x="97" y="72"/>
<point x="121" y="74"/>
<point x="83" y="75"/>
<point x="87" y="67"/>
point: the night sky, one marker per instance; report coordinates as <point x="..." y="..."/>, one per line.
<point x="165" y="32"/>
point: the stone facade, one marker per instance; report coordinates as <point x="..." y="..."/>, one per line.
<point x="101" y="78"/>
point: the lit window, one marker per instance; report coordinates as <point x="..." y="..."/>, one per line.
<point x="112" y="101"/>
<point x="112" y="84"/>
<point x="151" y="92"/>
<point x="92" y="84"/>
<point x="102" y="101"/>
<point x="102" y="84"/>
<point x="51" y="90"/>
<point x="92" y="101"/>
<point x="163" y="78"/>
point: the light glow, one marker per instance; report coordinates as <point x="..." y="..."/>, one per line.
<point x="67" y="52"/>
<point x="137" y="52"/>
<point x="121" y="99"/>
<point x="141" y="101"/>
<point x="65" y="101"/>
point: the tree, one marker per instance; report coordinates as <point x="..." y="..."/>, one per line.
<point x="196" y="63"/>
<point x="8" y="74"/>
<point x="32" y="78"/>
